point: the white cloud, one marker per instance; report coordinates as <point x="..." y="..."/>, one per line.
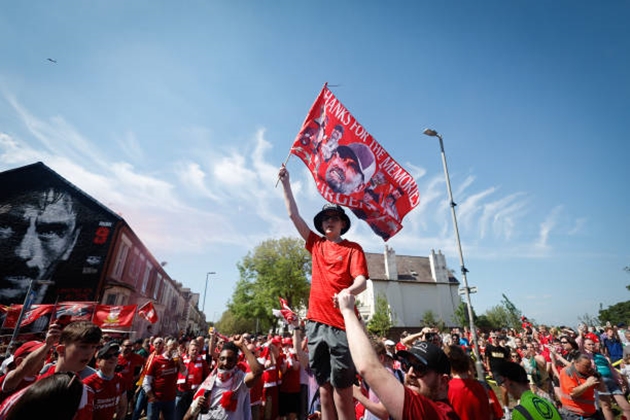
<point x="547" y="226"/>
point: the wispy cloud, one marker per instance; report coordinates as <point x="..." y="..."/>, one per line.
<point x="547" y="226"/>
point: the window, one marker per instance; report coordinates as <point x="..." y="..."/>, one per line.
<point x="134" y="268"/>
<point x="156" y="289"/>
<point x="121" y="258"/>
<point x="145" y="280"/>
<point x="110" y="299"/>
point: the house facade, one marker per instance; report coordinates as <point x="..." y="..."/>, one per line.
<point x="412" y="286"/>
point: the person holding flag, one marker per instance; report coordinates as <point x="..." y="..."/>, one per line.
<point x="338" y="265"/>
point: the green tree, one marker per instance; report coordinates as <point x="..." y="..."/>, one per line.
<point x="460" y="317"/>
<point x="619" y="312"/>
<point x="430" y="320"/>
<point x="276" y="267"/>
<point x="514" y="314"/>
<point x="229" y="324"/>
<point x="381" y="322"/>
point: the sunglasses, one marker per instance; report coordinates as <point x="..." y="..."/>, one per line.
<point x="419" y="367"/>
<point x="110" y="356"/>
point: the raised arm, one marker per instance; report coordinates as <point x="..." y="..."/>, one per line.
<point x="385" y="385"/>
<point x="254" y="365"/>
<point x="289" y="201"/>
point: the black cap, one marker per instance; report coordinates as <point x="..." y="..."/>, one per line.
<point x="106" y="349"/>
<point x="430" y="355"/>
<point x="331" y="208"/>
<point x="513" y="371"/>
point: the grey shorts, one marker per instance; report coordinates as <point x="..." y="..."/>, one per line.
<point x="329" y="355"/>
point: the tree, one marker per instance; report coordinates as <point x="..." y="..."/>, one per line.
<point x="460" y="317"/>
<point x="381" y="321"/>
<point x="514" y="314"/>
<point x="276" y="267"/>
<point x="229" y="324"/>
<point x="429" y="320"/>
<point x="619" y="312"/>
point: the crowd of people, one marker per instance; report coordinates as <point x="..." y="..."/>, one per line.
<point x="326" y="366"/>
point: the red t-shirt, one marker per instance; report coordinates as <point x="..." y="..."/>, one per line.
<point x="84" y="411"/>
<point x="418" y="406"/>
<point x="335" y="266"/>
<point x="164" y="372"/>
<point x="291" y="377"/>
<point x="469" y="399"/>
<point x="107" y="394"/>
<point x="196" y="371"/>
<point x="129" y="365"/>
<point x="23" y="384"/>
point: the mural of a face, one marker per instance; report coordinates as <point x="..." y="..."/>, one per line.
<point x="38" y="230"/>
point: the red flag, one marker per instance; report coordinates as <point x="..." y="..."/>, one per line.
<point x="114" y="316"/>
<point x="67" y="312"/>
<point x="148" y="312"/>
<point x="352" y="169"/>
<point x="286" y="311"/>
<point x="33" y="313"/>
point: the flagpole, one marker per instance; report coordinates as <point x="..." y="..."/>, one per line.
<point x="28" y="301"/>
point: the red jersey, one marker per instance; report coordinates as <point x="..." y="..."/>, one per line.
<point x="107" y="394"/>
<point x="164" y="371"/>
<point x="291" y="377"/>
<point x="196" y="371"/>
<point x="271" y="375"/>
<point x="127" y="366"/>
<point x="335" y="266"/>
<point x="418" y="406"/>
<point x="84" y="411"/>
<point x="469" y="399"/>
<point x="23" y="384"/>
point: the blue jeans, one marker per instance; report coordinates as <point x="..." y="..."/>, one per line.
<point x="141" y="404"/>
<point x="167" y="408"/>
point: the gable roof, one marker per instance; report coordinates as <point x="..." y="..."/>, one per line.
<point x="38" y="175"/>
<point x="410" y="268"/>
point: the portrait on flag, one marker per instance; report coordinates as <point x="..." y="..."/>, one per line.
<point x="352" y="169"/>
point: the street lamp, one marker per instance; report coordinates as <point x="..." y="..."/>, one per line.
<point x="467" y="290"/>
<point x="204" y="292"/>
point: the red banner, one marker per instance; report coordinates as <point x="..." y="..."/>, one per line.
<point x="107" y="316"/>
<point x="352" y="169"/>
<point x="148" y="312"/>
<point x="30" y="316"/>
<point x="67" y="312"/>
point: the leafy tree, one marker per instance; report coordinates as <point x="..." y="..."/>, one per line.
<point x="229" y="324"/>
<point x="460" y="317"/>
<point x="381" y="322"/>
<point x="619" y="312"/>
<point x="514" y="314"/>
<point x="276" y="267"/>
<point x="429" y="319"/>
<point x="497" y="317"/>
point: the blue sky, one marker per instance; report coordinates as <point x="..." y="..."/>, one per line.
<point x="178" y="114"/>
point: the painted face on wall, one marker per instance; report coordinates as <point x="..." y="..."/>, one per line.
<point x="37" y="231"/>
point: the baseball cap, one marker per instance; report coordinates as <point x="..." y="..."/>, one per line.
<point x="428" y="354"/>
<point x="327" y="209"/>
<point x="389" y="343"/>
<point x="112" y="345"/>
<point x="27" y="348"/>
<point x="513" y="371"/>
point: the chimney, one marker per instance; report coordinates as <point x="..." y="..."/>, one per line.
<point x="439" y="272"/>
<point x="391" y="272"/>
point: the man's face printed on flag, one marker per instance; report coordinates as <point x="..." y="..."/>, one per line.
<point x="343" y="174"/>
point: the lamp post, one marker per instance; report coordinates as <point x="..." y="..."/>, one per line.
<point x="204" y="293"/>
<point x="467" y="290"/>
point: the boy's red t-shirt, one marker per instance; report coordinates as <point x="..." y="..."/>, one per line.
<point x="335" y="266"/>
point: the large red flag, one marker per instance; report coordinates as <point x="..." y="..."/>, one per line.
<point x="114" y="316"/>
<point x="352" y="169"/>
<point x="148" y="312"/>
<point x="30" y="315"/>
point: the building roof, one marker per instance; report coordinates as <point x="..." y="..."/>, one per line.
<point x="410" y="268"/>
